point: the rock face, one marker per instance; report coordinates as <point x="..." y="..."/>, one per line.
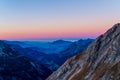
<point x="101" y="60"/>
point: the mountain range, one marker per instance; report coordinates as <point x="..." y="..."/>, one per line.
<point x="85" y="59"/>
<point x="18" y="67"/>
<point x="25" y="60"/>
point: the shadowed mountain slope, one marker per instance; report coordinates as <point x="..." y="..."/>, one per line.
<point x="13" y="66"/>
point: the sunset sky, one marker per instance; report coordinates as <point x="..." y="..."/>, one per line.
<point x="46" y="19"/>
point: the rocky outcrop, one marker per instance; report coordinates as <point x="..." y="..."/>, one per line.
<point x="100" y="61"/>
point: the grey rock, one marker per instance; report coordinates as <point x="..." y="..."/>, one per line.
<point x="100" y="61"/>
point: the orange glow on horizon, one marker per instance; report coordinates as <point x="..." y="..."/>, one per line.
<point x="54" y="32"/>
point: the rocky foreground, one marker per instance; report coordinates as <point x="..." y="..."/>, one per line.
<point x="101" y="60"/>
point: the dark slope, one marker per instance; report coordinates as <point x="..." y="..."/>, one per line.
<point x="54" y="60"/>
<point x="101" y="60"/>
<point x="74" y="49"/>
<point x="13" y="66"/>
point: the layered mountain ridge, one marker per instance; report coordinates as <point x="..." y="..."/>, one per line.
<point x="21" y="61"/>
<point x="100" y="61"/>
<point x="14" y="66"/>
<point x="63" y="50"/>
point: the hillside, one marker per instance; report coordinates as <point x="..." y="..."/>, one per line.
<point x="14" y="66"/>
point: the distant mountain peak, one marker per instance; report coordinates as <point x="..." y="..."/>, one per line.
<point x="60" y="41"/>
<point x="101" y="60"/>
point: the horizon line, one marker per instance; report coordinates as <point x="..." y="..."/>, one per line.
<point x="47" y="39"/>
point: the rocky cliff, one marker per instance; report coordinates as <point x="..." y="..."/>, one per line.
<point x="100" y="61"/>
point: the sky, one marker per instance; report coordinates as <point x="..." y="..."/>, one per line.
<point x="50" y="19"/>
